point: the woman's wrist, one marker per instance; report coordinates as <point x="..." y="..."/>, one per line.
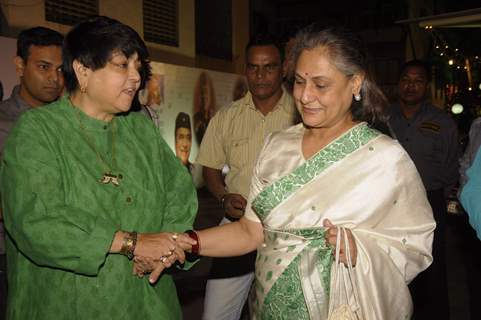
<point x="194" y="236"/>
<point x="129" y="242"/>
<point x="117" y="242"/>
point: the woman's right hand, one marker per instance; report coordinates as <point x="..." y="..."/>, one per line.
<point x="164" y="244"/>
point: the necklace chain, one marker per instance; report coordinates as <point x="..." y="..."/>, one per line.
<point x="108" y="176"/>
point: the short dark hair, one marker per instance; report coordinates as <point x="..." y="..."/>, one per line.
<point x="92" y="43"/>
<point x="38" y="36"/>
<point x="349" y="55"/>
<point x="265" y="39"/>
<point x="416" y="64"/>
<point x="182" y="121"/>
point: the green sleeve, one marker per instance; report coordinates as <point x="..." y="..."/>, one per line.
<point x="181" y="196"/>
<point x="44" y="228"/>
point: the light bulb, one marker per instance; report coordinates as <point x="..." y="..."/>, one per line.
<point x="457" y="108"/>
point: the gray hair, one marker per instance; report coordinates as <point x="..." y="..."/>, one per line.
<point x="347" y="52"/>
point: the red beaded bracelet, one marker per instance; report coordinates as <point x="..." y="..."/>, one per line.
<point x="193" y="235"/>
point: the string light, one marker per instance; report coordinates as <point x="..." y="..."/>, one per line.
<point x="464" y="70"/>
<point x="454" y="56"/>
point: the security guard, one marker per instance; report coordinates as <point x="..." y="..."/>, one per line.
<point x="430" y="137"/>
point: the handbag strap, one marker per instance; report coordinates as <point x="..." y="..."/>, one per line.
<point x="351" y="272"/>
<point x="337" y="281"/>
<point x="340" y="277"/>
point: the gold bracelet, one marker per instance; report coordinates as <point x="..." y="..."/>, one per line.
<point x="128" y="244"/>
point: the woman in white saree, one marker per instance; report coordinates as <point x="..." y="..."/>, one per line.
<point x="332" y="169"/>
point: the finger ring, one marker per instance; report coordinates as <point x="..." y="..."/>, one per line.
<point x="175" y="236"/>
<point x="163" y="259"/>
<point x="169" y="253"/>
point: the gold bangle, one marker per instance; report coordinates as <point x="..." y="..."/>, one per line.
<point x="128" y="244"/>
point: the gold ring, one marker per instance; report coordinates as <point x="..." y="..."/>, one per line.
<point x="175" y="236"/>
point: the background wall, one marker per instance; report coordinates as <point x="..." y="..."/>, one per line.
<point x="7" y="69"/>
<point x="16" y="15"/>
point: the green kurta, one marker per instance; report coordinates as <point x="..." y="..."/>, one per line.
<point x="61" y="220"/>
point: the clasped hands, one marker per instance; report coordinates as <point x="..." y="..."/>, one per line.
<point x="155" y="252"/>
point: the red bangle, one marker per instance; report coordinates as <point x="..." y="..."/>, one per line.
<point x="193" y="235"/>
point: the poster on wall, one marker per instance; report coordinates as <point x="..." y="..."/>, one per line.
<point x="181" y="101"/>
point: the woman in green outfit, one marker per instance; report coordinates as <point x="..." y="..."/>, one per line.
<point x="86" y="186"/>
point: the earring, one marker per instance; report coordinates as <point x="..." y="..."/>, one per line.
<point x="83" y="89"/>
<point x="357" y="97"/>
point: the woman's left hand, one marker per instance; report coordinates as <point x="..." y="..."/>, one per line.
<point x="143" y="265"/>
<point x="331" y="237"/>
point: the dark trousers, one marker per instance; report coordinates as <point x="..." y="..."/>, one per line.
<point x="429" y="289"/>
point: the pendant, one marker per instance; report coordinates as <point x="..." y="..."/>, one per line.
<point x="108" y="177"/>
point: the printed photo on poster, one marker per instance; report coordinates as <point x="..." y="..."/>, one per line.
<point x="204" y="104"/>
<point x="152" y="99"/>
<point x="183" y="138"/>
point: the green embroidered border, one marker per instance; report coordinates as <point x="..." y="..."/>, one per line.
<point x="277" y="192"/>
<point x="286" y="300"/>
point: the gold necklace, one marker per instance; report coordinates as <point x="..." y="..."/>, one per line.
<point x="108" y="176"/>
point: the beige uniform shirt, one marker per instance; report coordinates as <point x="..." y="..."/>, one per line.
<point x="235" y="136"/>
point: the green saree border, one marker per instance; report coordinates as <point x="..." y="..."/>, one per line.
<point x="337" y="150"/>
<point x="286" y="299"/>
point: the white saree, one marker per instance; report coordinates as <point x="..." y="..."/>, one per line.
<point x="363" y="181"/>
